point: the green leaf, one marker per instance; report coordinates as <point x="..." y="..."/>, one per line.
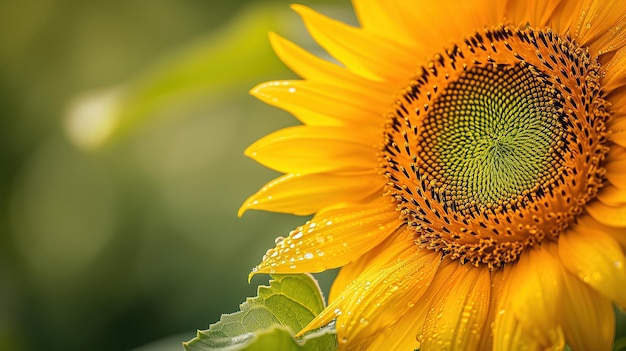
<point x="620" y="344"/>
<point x="269" y="321"/>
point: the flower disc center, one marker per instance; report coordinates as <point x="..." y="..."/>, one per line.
<point x="491" y="136"/>
<point x="497" y="144"/>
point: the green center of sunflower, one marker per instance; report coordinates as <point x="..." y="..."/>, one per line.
<point x="491" y="136"/>
<point x="497" y="144"/>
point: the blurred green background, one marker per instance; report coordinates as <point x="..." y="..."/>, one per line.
<point x="123" y="125"/>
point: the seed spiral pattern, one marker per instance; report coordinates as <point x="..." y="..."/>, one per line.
<point x="491" y="136"/>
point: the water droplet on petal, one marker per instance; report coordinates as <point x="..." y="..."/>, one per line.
<point x="297" y="235"/>
<point x="363" y="321"/>
<point x="344" y="340"/>
<point x="292" y="90"/>
<point x="338" y="312"/>
<point x="308" y="255"/>
<point x="279" y="240"/>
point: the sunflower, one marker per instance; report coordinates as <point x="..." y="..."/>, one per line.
<point x="465" y="162"/>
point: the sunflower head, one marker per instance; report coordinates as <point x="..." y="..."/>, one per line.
<point x="485" y="151"/>
<point x="464" y="160"/>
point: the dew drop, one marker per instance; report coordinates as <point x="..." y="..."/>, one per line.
<point x="292" y="266"/>
<point x="320" y="239"/>
<point x="410" y="305"/>
<point x="279" y="240"/>
<point x="320" y="253"/>
<point x="308" y="255"/>
<point x="618" y="264"/>
<point x="363" y="321"/>
<point x="344" y="340"/>
<point x="292" y="90"/>
<point x="338" y="312"/>
<point x="588" y="25"/>
<point x="329" y="222"/>
<point x="297" y="235"/>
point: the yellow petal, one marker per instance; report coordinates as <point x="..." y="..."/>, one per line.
<point x="594" y="24"/>
<point x="308" y="149"/>
<point x="313" y="68"/>
<point x="322" y="104"/>
<point x="401" y="335"/>
<point x="536" y="13"/>
<point x="383" y="293"/>
<point x="307" y="194"/>
<point x="386" y="18"/>
<point x="610" y="215"/>
<point x="461" y="19"/>
<point x="333" y="238"/>
<point x="411" y="324"/>
<point x="618" y="132"/>
<point x="597" y="259"/>
<point x="614" y="72"/>
<point x="352" y="270"/>
<point x="498" y="283"/>
<point x="612" y="196"/>
<point x="619" y="234"/>
<point x="364" y="53"/>
<point x="589" y="320"/>
<point x="457" y="316"/>
<point x="616" y="170"/>
<point x="530" y="305"/>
